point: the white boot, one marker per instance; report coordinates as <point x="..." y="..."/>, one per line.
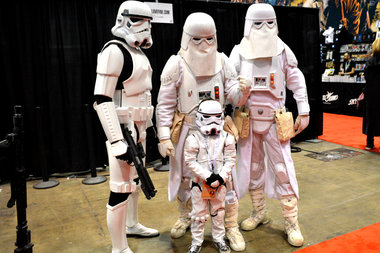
<point x="259" y="213"/>
<point x="116" y="216"/>
<point x="292" y="229"/>
<point x="233" y="234"/>
<point x="183" y="222"/>
<point x="133" y="228"/>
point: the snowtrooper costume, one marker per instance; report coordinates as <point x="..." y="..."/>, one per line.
<point x="211" y="155"/>
<point x="197" y="72"/>
<point x="122" y="94"/>
<point x="269" y="64"/>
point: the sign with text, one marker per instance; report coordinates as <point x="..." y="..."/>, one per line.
<point x="162" y="12"/>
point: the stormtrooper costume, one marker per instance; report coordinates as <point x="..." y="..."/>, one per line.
<point x="197" y="72"/>
<point x="211" y="155"/>
<point x="122" y="96"/>
<point x="269" y="64"/>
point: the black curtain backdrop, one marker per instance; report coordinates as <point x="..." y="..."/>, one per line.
<point x="48" y="61"/>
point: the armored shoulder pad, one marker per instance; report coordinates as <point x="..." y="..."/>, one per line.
<point x="229" y="70"/>
<point x="110" y="61"/>
<point x="290" y="56"/>
<point x="234" y="58"/>
<point x="171" y="71"/>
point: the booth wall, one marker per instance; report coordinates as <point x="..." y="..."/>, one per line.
<point x="49" y="51"/>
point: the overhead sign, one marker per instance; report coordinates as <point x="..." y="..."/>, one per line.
<point x="162" y="12"/>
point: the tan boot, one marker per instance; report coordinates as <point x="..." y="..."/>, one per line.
<point x="292" y="229"/>
<point x="259" y="213"/>
<point x="233" y="234"/>
<point x="183" y="222"/>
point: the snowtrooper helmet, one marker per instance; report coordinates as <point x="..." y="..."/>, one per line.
<point x="133" y="24"/>
<point x="199" y="45"/>
<point x="210" y="117"/>
<point x="260" y="32"/>
<point x="198" y="26"/>
<point x="258" y="16"/>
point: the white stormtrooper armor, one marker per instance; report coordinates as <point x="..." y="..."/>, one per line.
<point x="196" y="73"/>
<point x="270" y="65"/>
<point x="211" y="158"/>
<point x="122" y="93"/>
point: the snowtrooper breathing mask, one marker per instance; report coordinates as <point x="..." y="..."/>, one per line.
<point x="133" y="24"/>
<point x="199" y="45"/>
<point x="260" y="33"/>
<point x="210" y="117"/>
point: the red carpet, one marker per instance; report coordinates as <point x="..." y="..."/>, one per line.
<point x="345" y="130"/>
<point x="364" y="240"/>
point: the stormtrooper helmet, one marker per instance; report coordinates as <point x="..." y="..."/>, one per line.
<point x="133" y="24"/>
<point x="210" y="117"/>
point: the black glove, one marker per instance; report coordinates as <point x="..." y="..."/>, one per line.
<point x="214" y="177"/>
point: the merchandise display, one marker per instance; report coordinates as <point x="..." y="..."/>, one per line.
<point x="122" y="94"/>
<point x="344" y="60"/>
<point x="333" y="51"/>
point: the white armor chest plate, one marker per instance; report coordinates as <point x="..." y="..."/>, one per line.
<point x="134" y="101"/>
<point x="193" y="90"/>
<point x="266" y="76"/>
<point x="141" y="78"/>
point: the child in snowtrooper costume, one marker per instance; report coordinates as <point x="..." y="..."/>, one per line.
<point x="198" y="71"/>
<point x="122" y="94"/>
<point x="269" y="64"/>
<point x="210" y="154"/>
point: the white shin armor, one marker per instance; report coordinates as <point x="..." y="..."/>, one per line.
<point x="132" y="208"/>
<point x="116" y="216"/>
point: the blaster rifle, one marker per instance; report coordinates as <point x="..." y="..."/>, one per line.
<point x="136" y="154"/>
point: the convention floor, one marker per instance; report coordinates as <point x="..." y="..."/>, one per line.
<point x="337" y="197"/>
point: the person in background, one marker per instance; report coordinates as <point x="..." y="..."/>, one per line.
<point x="348" y="67"/>
<point x="371" y="118"/>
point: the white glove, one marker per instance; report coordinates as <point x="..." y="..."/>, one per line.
<point x="302" y="122"/>
<point x="166" y="148"/>
<point x="244" y="84"/>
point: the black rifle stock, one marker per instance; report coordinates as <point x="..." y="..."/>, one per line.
<point x="136" y="153"/>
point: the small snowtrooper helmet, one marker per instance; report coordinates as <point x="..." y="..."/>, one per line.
<point x="210" y="117"/>
<point x="133" y="24"/>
